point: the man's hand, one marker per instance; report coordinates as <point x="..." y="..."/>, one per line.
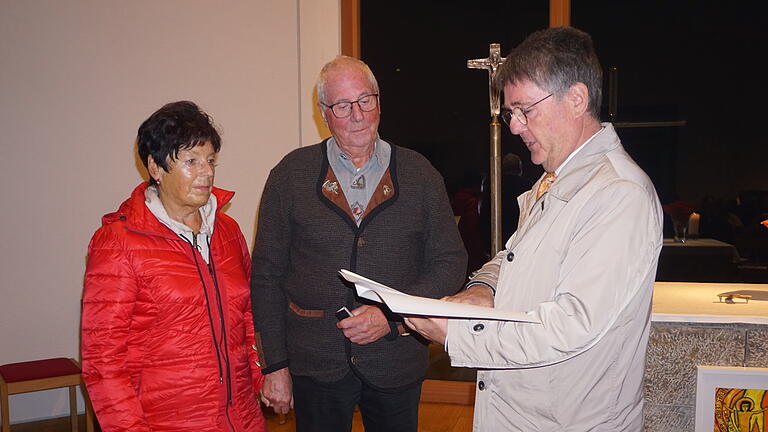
<point x="479" y="295"/>
<point x="277" y="391"/>
<point x="434" y="329"/>
<point x="366" y="325"/>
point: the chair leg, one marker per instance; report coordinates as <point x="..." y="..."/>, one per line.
<point x="73" y="408"/>
<point x="4" y="408"/>
<point x="88" y="411"/>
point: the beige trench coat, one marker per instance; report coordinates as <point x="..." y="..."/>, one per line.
<point x="584" y="261"/>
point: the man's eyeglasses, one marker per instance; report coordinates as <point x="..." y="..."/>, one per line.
<point x="344" y="109"/>
<point x="520" y="113"/>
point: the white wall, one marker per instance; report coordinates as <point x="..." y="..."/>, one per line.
<point x="319" y="41"/>
<point x="76" y="80"/>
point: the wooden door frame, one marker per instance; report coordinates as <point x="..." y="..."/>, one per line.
<point x="350" y="28"/>
<point x="559" y="15"/>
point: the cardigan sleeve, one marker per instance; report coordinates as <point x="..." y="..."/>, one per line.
<point x="270" y="264"/>
<point x="253" y="353"/>
<point x="445" y="259"/>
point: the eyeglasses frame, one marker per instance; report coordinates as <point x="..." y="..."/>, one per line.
<point x="521" y="114"/>
<point x="351" y="103"/>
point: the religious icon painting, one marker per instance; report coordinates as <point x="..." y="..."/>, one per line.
<point x="731" y="399"/>
<point x="740" y="410"/>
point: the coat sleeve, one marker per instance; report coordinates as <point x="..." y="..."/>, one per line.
<point x="270" y="264"/>
<point x="445" y="259"/>
<point x="609" y="260"/>
<point x="109" y="297"/>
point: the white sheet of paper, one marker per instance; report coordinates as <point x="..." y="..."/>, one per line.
<point x="406" y="304"/>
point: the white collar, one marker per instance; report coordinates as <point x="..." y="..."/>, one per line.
<point x="207" y="213"/>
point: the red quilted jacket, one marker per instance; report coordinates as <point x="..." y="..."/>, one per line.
<point x="167" y="339"/>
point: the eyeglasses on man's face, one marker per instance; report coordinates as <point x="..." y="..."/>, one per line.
<point x="520" y="113"/>
<point x="344" y="109"/>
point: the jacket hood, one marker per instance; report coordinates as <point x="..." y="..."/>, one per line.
<point x="136" y="214"/>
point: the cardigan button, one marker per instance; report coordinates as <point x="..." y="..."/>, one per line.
<point x="360" y="242"/>
<point x="510" y="256"/>
<point x="481" y="385"/>
<point x="478" y="327"/>
<point x="354" y="360"/>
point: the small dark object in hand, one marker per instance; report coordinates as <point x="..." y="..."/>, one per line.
<point x="343" y="313"/>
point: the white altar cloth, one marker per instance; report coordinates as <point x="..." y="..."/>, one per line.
<point x="699" y="303"/>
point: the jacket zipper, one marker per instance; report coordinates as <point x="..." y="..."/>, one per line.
<point x="212" y="272"/>
<point x="211" y="269"/>
<point x="193" y="246"/>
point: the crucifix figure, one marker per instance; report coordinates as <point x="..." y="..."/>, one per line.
<point x="492" y="64"/>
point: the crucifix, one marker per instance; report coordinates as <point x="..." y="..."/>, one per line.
<point x="491" y="64"/>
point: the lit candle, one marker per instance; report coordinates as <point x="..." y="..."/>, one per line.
<point x="693" y="225"/>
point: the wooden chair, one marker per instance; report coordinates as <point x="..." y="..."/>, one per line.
<point x="39" y="375"/>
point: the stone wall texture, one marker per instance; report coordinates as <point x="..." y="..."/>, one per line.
<point x="674" y="351"/>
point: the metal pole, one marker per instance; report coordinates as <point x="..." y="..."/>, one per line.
<point x="495" y="183"/>
<point x="491" y="64"/>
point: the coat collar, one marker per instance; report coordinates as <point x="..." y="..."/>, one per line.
<point x="578" y="170"/>
<point x="139" y="218"/>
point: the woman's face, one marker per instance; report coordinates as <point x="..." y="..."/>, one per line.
<point x="187" y="184"/>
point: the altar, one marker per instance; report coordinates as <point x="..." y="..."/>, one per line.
<point x="697" y="260"/>
<point x="692" y="325"/>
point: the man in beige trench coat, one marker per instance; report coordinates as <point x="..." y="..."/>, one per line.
<point x="583" y="260"/>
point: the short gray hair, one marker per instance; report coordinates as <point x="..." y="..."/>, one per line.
<point x="555" y="59"/>
<point x="340" y="61"/>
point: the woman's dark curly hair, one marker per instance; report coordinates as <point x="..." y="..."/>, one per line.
<point x="174" y="127"/>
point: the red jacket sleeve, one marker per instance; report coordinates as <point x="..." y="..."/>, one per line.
<point x="109" y="297"/>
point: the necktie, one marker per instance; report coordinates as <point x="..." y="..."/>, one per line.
<point x="546" y="182"/>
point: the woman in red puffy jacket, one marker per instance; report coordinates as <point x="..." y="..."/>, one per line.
<point x="167" y="333"/>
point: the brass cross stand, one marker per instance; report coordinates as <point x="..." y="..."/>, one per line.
<point x="491" y="64"/>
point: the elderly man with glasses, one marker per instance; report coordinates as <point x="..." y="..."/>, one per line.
<point x="352" y="202"/>
<point x="582" y="261"/>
